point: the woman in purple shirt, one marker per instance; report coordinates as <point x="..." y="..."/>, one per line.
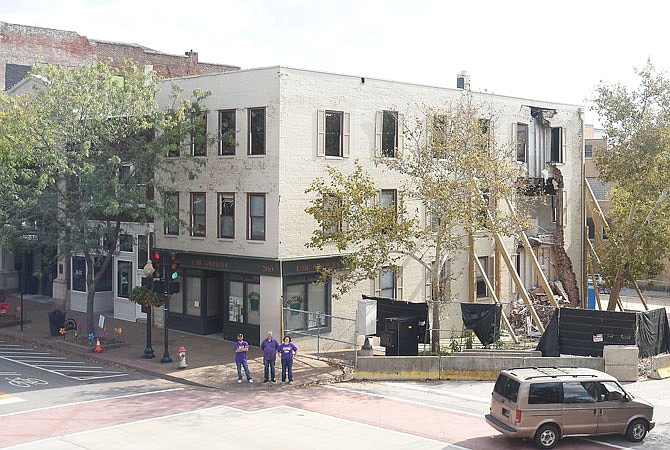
<point x="287" y="350"/>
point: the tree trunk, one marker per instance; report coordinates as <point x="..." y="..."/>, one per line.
<point x="616" y="287"/>
<point x="90" y="296"/>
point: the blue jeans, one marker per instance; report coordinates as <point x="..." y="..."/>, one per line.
<point x="239" y="369"/>
<point x="286" y="364"/>
<point x="269" y="364"/>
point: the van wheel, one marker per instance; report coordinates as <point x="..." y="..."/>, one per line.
<point x="547" y="436"/>
<point x="637" y="430"/>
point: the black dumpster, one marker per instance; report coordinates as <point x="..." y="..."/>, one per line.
<point x="400" y="336"/>
<point x="56" y="321"/>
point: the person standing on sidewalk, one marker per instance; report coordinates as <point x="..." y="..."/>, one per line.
<point x="287" y="350"/>
<point x="241" y="348"/>
<point x="270" y="347"/>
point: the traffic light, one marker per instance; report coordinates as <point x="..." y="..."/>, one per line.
<point x="174" y="266"/>
<point x="157" y="262"/>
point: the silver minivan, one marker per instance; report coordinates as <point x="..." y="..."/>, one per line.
<point x="545" y="404"/>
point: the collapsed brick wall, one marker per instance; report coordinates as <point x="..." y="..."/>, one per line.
<point x="566" y="273"/>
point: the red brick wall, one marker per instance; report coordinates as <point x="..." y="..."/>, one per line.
<point x="27" y="45"/>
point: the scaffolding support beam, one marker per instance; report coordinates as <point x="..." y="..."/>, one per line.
<point x="536" y="264"/>
<point x="517" y="281"/>
<point x="592" y="203"/>
<point x="508" y="326"/>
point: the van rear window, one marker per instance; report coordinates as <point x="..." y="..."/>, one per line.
<point x="541" y="393"/>
<point x="507" y="387"/>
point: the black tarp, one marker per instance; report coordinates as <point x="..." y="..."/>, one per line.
<point x="585" y="332"/>
<point x="483" y="319"/>
<point x="549" y="344"/>
<point x="390" y="308"/>
<point x="653" y="333"/>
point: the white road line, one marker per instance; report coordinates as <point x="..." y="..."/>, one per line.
<point x="414" y="387"/>
<point x="65" y="405"/>
<point x="398" y="399"/>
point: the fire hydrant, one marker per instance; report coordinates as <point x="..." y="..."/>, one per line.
<point x="181" y="355"/>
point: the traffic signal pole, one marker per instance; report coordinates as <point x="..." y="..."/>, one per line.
<point x="166" y="306"/>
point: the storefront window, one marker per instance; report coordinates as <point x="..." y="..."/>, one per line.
<point x="308" y="301"/>
<point x="79" y="275"/>
<point x="244" y="301"/>
<point x="192" y="292"/>
<point x="235" y="302"/>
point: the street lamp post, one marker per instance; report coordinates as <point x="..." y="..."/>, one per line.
<point x="23" y="284"/>
<point x="148" y="273"/>
<point x="166" y="356"/>
<point x="26" y="237"/>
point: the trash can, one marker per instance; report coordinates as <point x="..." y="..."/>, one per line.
<point x="56" y="321"/>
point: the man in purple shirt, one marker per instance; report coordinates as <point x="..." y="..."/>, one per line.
<point x="241" y="348"/>
<point x="269" y="347"/>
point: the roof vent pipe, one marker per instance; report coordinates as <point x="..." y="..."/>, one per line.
<point x="463" y="80"/>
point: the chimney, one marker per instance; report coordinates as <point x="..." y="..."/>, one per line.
<point x="193" y="56"/>
<point x="463" y="80"/>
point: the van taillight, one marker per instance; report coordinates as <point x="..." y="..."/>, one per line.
<point x="518" y="416"/>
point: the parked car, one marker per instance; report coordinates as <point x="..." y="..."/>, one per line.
<point x="546" y="404"/>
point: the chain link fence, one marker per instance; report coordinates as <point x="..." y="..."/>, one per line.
<point x="322" y="336"/>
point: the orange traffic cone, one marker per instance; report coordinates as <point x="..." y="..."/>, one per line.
<point x="98" y="347"/>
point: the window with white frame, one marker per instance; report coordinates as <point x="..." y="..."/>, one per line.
<point x="389" y="199"/>
<point x="172" y="209"/>
<point x="333" y="133"/>
<point x="389" y="282"/>
<point x="198" y="136"/>
<point x="588" y="151"/>
<point x="256" y="121"/>
<point x="557" y="144"/>
<point x="198" y="214"/>
<point x="333" y="220"/>
<point x="482" y="290"/>
<point x="521" y="142"/>
<point x="126" y="242"/>
<point x="227" y="215"/>
<point x="388" y="133"/>
<point x="227" y="132"/>
<point x="142" y="250"/>
<point x="256" y="217"/>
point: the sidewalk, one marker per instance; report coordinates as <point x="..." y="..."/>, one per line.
<point x="210" y="359"/>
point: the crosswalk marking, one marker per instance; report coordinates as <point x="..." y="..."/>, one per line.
<point x="58" y="365"/>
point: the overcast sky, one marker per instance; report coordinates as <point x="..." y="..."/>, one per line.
<point x="556" y="51"/>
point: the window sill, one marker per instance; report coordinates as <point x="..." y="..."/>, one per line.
<point x="225" y="239"/>
<point x="257" y="156"/>
<point x="255" y="241"/>
<point x="334" y="157"/>
<point x="198" y="238"/>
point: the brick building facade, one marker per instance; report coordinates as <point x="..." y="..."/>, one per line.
<point x="22" y="46"/>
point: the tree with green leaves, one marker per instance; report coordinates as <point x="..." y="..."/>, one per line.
<point x="79" y="153"/>
<point x="452" y="171"/>
<point x="636" y="161"/>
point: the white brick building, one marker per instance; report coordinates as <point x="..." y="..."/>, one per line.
<point x="243" y="246"/>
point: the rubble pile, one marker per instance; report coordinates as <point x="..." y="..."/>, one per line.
<point x="520" y="318"/>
